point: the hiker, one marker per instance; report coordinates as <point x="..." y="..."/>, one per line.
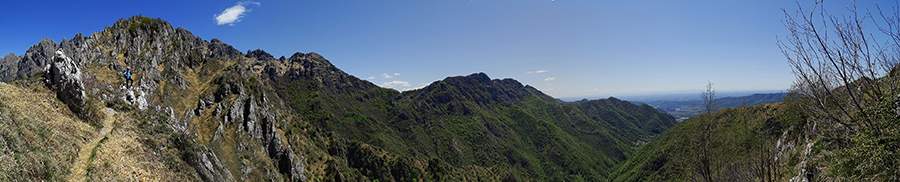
<point x="128" y="79"/>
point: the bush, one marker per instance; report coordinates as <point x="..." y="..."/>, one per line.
<point x="120" y="105"/>
<point x="93" y="112"/>
<point x="143" y="21"/>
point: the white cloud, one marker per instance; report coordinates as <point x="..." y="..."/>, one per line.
<point x="234" y="14"/>
<point x="550" y="79"/>
<point x="371" y="77"/>
<point x="396" y="74"/>
<point x="538" y="71"/>
<point x="395" y="83"/>
<point x="385" y="75"/>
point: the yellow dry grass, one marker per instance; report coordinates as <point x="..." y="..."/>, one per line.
<point x="79" y="168"/>
<point x="40" y="136"/>
<point x="50" y="143"/>
<point x="200" y="83"/>
<point x="122" y="157"/>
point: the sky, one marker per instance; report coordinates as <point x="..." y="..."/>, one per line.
<point x="565" y="48"/>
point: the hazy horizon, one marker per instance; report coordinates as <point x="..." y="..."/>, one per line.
<point x="674" y="95"/>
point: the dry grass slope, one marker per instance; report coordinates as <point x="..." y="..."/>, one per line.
<point x="39" y="136"/>
<point x="88" y="150"/>
<point x="122" y="157"/>
<point x="40" y="139"/>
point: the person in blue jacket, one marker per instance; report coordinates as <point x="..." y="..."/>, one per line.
<point x="128" y="79"/>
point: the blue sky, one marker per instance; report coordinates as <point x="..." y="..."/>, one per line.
<point x="566" y="48"/>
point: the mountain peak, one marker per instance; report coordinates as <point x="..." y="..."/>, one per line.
<point x="259" y="54"/>
<point x="480" y="77"/>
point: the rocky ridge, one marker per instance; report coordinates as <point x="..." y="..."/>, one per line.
<point x="159" y="56"/>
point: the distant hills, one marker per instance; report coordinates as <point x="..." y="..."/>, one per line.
<point x="687" y="108"/>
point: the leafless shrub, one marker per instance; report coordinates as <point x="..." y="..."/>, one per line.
<point x="841" y="70"/>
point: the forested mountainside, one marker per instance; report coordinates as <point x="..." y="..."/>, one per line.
<point x="743" y="145"/>
<point x="839" y="122"/>
<point x="789" y="141"/>
<point x="202" y="110"/>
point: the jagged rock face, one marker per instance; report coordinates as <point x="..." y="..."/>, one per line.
<point x="255" y="119"/>
<point x="34" y="59"/>
<point x="65" y="76"/>
<point x="158" y="56"/>
<point x="260" y="55"/>
<point x="218" y="49"/>
<point x="8" y="66"/>
<point x="209" y="167"/>
<point x="141" y="43"/>
<point x="310" y="66"/>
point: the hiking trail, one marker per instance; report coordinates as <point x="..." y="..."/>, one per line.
<point x="79" y="168"/>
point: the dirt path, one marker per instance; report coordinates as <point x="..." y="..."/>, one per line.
<point x="79" y="169"/>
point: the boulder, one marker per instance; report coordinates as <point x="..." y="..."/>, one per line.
<point x="133" y="97"/>
<point x="201" y="106"/>
<point x="65" y="77"/>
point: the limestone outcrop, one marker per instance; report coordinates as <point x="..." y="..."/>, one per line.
<point x="64" y="76"/>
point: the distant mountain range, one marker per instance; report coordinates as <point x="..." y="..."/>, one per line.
<point x="688" y="108"/>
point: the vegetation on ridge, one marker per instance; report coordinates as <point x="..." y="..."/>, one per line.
<point x="473" y="120"/>
<point x="838" y="123"/>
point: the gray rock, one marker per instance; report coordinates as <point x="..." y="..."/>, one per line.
<point x="259" y="55"/>
<point x="65" y="76"/>
<point x="222" y="92"/>
<point x="269" y="134"/>
<point x="9" y="67"/>
<point x="141" y="100"/>
<point x="171" y="112"/>
<point x="185" y="120"/>
<point x="220" y="50"/>
<point x="291" y="165"/>
<point x="134" y="97"/>
<point x="127" y="95"/>
<point x="34" y="59"/>
<point x="178" y="79"/>
<point x="210" y="100"/>
<point x="219" y="109"/>
<point x="208" y="166"/>
<point x="201" y="106"/>
<point x="250" y="117"/>
<point x="236" y="112"/>
<point x="115" y="66"/>
<point x="220" y="130"/>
